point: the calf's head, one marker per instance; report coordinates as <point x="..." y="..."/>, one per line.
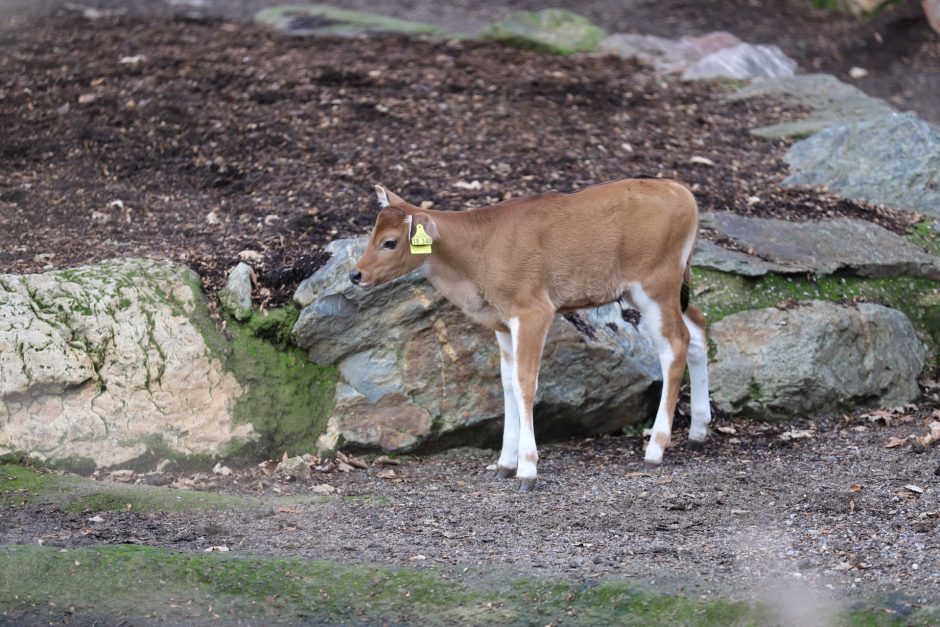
<point x="388" y="254"/>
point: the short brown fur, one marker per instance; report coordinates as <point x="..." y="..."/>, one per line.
<point x="529" y="258"/>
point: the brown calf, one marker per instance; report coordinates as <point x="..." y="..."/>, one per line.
<point x="512" y="266"/>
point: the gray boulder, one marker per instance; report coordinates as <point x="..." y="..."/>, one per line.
<point x="824" y="247"/>
<point x="666" y="55"/>
<point x="413" y="368"/>
<point x="323" y="19"/>
<point x="815" y="358"/>
<point x="103" y="365"/>
<point x="893" y="160"/>
<point x="828" y="100"/>
<point x="742" y="62"/>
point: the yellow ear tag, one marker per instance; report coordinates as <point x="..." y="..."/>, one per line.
<point x="421" y="242"/>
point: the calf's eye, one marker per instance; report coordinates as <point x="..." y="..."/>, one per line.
<point x="390" y="244"/>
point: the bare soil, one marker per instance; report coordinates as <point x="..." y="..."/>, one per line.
<point x="200" y="139"/>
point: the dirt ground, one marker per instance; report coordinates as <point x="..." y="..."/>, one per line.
<point x="200" y="139"/>
<point x="804" y="517"/>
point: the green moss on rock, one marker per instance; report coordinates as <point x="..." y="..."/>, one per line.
<point x="555" y="31"/>
<point x="720" y="294"/>
<point x="288" y="398"/>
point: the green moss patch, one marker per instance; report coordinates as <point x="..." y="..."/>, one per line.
<point x="720" y="294"/>
<point x="142" y="584"/>
<point x="24" y="486"/>
<point x="555" y="31"/>
<point x="287" y="398"/>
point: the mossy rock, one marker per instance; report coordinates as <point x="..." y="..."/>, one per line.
<point x="720" y="294"/>
<point x="323" y="19"/>
<point x="555" y="31"/>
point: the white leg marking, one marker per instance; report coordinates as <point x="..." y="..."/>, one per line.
<point x="698" y="377"/>
<point x="652" y="321"/>
<point x="509" y="456"/>
<point x="528" y="454"/>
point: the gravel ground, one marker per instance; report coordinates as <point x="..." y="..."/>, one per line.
<point x="823" y="514"/>
<point x="897" y="48"/>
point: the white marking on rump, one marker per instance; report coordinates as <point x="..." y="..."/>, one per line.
<point x="698" y="380"/>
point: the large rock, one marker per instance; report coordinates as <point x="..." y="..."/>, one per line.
<point x="323" y="19"/>
<point x="828" y="100"/>
<point x="666" y="55"/>
<point x="825" y="247"/>
<point x="892" y="160"/>
<point x="556" y="31"/>
<point x="102" y="365"/>
<point x="815" y="358"/>
<point x="742" y="62"/>
<point x="413" y="368"/>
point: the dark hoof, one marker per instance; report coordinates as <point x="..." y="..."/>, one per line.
<point x="696" y="445"/>
<point x="505" y="473"/>
<point x="526" y="485"/>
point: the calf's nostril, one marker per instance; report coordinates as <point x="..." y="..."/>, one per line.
<point x="355" y="276"/>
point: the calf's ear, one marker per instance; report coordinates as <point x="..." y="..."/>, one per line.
<point x="429" y="226"/>
<point x="386" y="197"/>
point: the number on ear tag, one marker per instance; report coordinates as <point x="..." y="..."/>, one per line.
<point x="421" y="242"/>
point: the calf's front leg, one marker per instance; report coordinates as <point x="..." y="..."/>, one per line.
<point x="509" y="457"/>
<point x="528" y="331"/>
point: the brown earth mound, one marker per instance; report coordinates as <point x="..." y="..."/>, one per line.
<point x="201" y="139"/>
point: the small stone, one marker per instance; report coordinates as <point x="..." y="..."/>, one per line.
<point x="235" y="297"/>
<point x="87" y="98"/>
<point x="858" y="72"/>
<point x="251" y="255"/>
<point x="124" y="476"/>
<point x="293" y="469"/>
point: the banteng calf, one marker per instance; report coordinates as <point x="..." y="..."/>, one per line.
<point x="512" y="266"/>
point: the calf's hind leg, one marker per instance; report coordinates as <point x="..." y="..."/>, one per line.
<point x="698" y="375"/>
<point x="662" y="320"/>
